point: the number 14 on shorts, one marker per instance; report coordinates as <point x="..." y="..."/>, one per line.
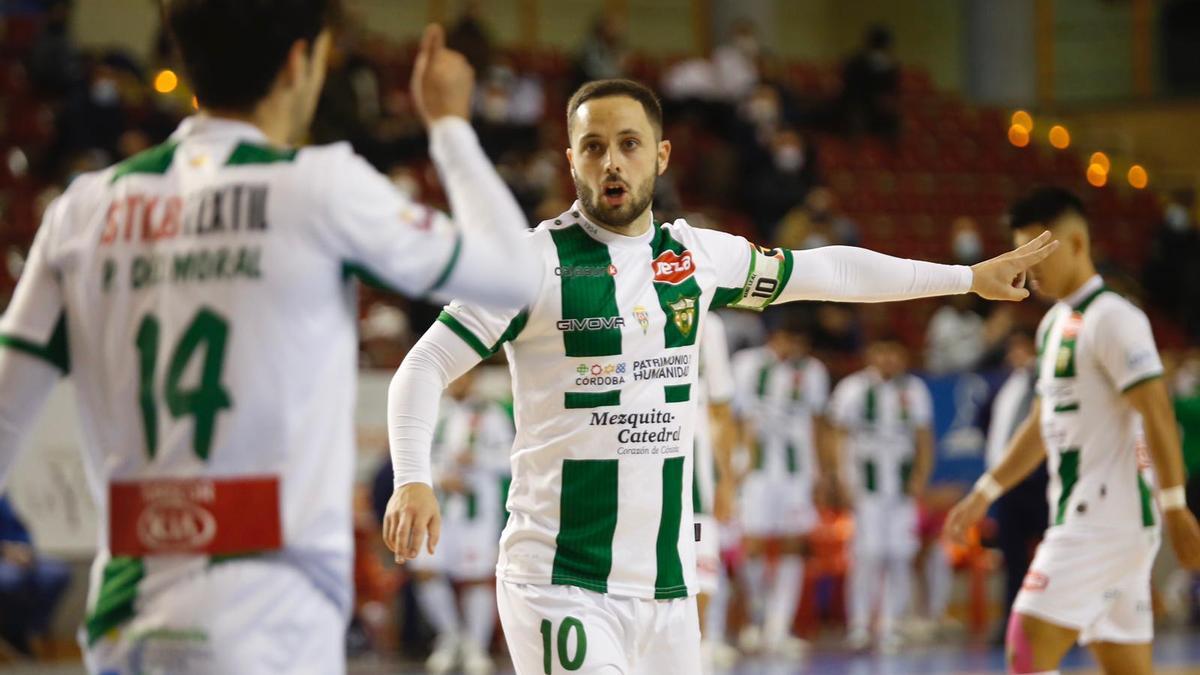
<point x="569" y="659"/>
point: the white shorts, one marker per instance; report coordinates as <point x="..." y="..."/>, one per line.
<point x="885" y="527"/>
<point x="777" y="506"/>
<point x="466" y="551"/>
<point x="564" y="629"/>
<point x="245" y="616"/>
<point x="1094" y="583"/>
<point x="708" y="555"/>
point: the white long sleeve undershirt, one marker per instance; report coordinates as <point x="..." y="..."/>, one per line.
<point x="495" y="265"/>
<point x="835" y="273"/>
<point x="850" y="274"/>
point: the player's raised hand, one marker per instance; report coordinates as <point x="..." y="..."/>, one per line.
<point x="1003" y="277"/>
<point x="1185" y="536"/>
<point x="442" y="80"/>
<point x="965" y="513"/>
<point x="412" y="514"/>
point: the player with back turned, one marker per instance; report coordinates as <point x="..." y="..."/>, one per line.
<point x="199" y="296"/>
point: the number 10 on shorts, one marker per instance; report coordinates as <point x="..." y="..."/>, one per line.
<point x="568" y="661"/>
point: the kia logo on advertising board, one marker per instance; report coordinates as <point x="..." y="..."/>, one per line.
<point x="176" y="526"/>
<point x="672" y="268"/>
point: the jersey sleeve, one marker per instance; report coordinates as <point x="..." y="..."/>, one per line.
<point x="35" y="321"/>
<point x="748" y="276"/>
<point x="1124" y="346"/>
<point x="384" y="237"/>
<point x="484" y="330"/>
<point x="845" y="407"/>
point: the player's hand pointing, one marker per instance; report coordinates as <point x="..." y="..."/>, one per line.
<point x="442" y="80"/>
<point x="1003" y="277"/>
<point x="412" y="514"/>
<point x="1184" y="533"/>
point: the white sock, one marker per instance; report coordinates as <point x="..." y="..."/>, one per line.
<point x="479" y="613"/>
<point x="785" y="596"/>
<point x="940" y="579"/>
<point x="754" y="575"/>
<point x="718" y="610"/>
<point x="866" y="577"/>
<point x="897" y="593"/>
<point x="436" y="599"/>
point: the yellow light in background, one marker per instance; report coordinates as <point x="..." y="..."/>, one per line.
<point x="166" y="81"/>
<point x="1137" y="177"/>
<point x="1096" y="175"/>
<point x="1022" y="119"/>
<point x="1059" y="137"/>
<point x="1101" y="159"/>
<point x="1018" y="135"/>
<point x="195" y="104"/>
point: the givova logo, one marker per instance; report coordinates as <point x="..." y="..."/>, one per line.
<point x="591" y="323"/>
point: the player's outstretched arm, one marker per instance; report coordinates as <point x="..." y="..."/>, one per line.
<point x="1025" y="451"/>
<point x="1150" y="398"/>
<point x="850" y="274"/>
<point x="412" y="521"/>
<point x="495" y="264"/>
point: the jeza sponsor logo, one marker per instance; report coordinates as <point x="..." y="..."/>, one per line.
<point x="1035" y="581"/>
<point x="589" y="324"/>
<point x="607" y="374"/>
<point x="672" y="268"/>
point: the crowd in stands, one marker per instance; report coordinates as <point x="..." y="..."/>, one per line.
<point x="785" y="153"/>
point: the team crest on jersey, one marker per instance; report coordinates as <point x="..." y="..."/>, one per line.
<point x="683" y="312"/>
<point x="672" y="268"/>
<point x="643" y="318"/>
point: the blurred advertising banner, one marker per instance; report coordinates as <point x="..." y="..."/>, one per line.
<point x="961" y="410"/>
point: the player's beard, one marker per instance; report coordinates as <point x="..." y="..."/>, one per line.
<point x="616" y="217"/>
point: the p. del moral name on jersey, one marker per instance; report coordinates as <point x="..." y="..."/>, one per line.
<point x="138" y="219"/>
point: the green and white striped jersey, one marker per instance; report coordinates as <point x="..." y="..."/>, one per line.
<point x="604" y="367"/>
<point x="880" y="418"/>
<point x="780" y="399"/>
<point x="1093" y="347"/>
<point x="472" y="441"/>
<point x="200" y="296"/>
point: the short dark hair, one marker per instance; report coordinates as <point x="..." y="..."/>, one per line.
<point x="792" y="320"/>
<point x="233" y="50"/>
<point x="620" y="87"/>
<point x="1044" y="205"/>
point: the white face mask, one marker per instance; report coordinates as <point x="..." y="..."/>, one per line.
<point x="968" y="248"/>
<point x="104" y="92"/>
<point x="494" y="107"/>
<point x="789" y="158"/>
<point x="1177" y="217"/>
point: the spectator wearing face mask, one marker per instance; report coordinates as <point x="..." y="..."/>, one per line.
<point x="966" y="242"/>
<point x="780" y="183"/>
<point x="817" y="223"/>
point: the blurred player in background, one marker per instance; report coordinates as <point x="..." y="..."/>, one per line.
<point x="883" y="418"/>
<point x="597" y="568"/>
<point x="197" y="293"/>
<point x="471" y="446"/>
<point x="713" y="490"/>
<point x="781" y="395"/>
<point x="1101" y="419"/>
